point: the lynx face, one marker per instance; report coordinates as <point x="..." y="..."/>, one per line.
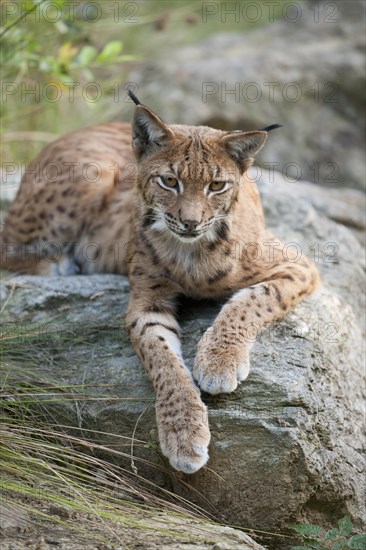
<point x="190" y="203"/>
<point x="189" y="177"/>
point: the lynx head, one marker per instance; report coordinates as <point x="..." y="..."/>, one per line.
<point x="189" y="176"/>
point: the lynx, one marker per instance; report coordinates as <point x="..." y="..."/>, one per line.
<point x="180" y="215"/>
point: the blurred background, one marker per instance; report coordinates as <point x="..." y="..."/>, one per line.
<point x="231" y="65"/>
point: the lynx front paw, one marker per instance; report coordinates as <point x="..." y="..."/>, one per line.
<point x="219" y="367"/>
<point x="184" y="434"/>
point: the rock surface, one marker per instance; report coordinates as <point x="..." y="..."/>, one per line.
<point x="286" y="446"/>
<point x="163" y="532"/>
<point x="307" y="75"/>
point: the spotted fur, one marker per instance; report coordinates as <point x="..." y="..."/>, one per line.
<point x="157" y="213"/>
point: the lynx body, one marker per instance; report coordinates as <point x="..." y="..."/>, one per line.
<point x="178" y="213"/>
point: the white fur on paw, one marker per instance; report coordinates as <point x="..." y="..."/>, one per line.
<point x="215" y="383"/>
<point x="243" y="371"/>
<point x="243" y="367"/>
<point x="185" y="441"/>
<point x="190" y="464"/>
<point x="215" y="374"/>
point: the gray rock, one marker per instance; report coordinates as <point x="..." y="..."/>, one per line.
<point x="307" y="75"/>
<point x="13" y="519"/>
<point x="286" y="446"/>
<point x="164" y="532"/>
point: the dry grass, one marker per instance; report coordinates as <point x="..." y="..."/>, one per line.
<point x="46" y="468"/>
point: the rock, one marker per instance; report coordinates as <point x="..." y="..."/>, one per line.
<point x="13" y="520"/>
<point x="304" y="70"/>
<point x="163" y="530"/>
<point x="345" y="206"/>
<point x="286" y="446"/>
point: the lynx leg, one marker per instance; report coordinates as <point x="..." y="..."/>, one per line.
<point x="223" y="352"/>
<point x="181" y="416"/>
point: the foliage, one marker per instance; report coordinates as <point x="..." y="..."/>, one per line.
<point x="61" y="69"/>
<point x="314" y="536"/>
<point x="23" y="36"/>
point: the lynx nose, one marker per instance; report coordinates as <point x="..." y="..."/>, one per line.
<point x="190" y="225"/>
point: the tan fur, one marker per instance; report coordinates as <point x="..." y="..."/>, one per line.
<point x="125" y="222"/>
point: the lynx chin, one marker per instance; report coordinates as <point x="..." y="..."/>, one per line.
<point x="180" y="205"/>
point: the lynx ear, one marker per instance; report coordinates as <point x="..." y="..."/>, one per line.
<point x="149" y="132"/>
<point x="243" y="146"/>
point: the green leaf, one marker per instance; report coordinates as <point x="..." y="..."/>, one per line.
<point x="86" y="55"/>
<point x="308" y="529"/>
<point x="332" y="534"/>
<point x="110" y="51"/>
<point x="339" y="545"/>
<point x="299" y="548"/>
<point x="345" y="526"/>
<point x="357" y="542"/>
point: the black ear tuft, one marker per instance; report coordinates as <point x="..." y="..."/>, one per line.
<point x="271" y="127"/>
<point x="149" y="132"/>
<point x="134" y="98"/>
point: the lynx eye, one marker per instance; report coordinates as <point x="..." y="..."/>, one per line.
<point x="168" y="181"/>
<point x="216" y="186"/>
